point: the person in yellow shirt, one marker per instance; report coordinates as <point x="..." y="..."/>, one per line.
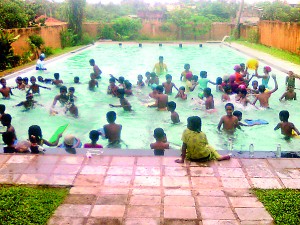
<point x="195" y="146"/>
<point x="160" y="68"/>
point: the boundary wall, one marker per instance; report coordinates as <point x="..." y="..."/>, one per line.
<point x="280" y="35"/>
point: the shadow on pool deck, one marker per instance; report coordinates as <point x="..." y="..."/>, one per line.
<point x="152" y="189"/>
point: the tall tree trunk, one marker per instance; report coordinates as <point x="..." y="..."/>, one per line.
<point x="238" y="18"/>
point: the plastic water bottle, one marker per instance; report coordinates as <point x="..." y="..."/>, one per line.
<point x="230" y="146"/>
<point x="251" y="150"/>
<point x="278" y="151"/>
<point x="88" y="154"/>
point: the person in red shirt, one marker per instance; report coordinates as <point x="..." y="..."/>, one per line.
<point x="94" y="136"/>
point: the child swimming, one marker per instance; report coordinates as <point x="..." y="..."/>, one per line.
<point x="174" y="115"/>
<point x="161" y="142"/>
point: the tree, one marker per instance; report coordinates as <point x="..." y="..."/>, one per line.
<point x="12" y="14"/>
<point x="75" y="16"/>
<point x="126" y="28"/>
<point x="7" y="57"/>
<point x="180" y="18"/>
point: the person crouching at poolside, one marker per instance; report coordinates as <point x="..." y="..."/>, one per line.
<point x="161" y="99"/>
<point x="195" y="146"/>
<point x="161" y="142"/>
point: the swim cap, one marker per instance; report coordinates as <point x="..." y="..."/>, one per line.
<point x="237" y="67"/>
<point x="69" y="139"/>
<point x="153" y="86"/>
<point x="188" y="75"/>
<point x="242" y="86"/>
<point x="268" y="69"/>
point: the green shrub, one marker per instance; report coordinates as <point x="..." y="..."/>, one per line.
<point x="165" y="27"/>
<point x="48" y="51"/>
<point x="253" y="36"/>
<point x="36" y="40"/>
<point x="106" y="32"/>
<point x="68" y="38"/>
<point x="126" y="28"/>
<point x="86" y="39"/>
<point x="26" y="57"/>
<point x="7" y="57"/>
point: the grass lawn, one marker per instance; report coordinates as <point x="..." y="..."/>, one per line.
<point x="29" y="205"/>
<point x="281" y="54"/>
<point x="282" y="204"/>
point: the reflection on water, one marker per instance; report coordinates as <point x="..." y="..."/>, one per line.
<point x="138" y="126"/>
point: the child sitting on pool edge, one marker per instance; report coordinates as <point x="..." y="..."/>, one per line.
<point x="161" y="142"/>
<point x="195" y="146"/>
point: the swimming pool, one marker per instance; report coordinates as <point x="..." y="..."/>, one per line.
<point x="131" y="60"/>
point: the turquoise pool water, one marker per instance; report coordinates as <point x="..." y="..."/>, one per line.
<point x="129" y="61"/>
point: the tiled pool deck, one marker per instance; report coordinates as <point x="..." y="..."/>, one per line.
<point x="148" y="190"/>
<point x="153" y="190"/>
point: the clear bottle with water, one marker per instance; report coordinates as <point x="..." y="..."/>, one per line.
<point x="251" y="150"/>
<point x="230" y="146"/>
<point x="278" y="151"/>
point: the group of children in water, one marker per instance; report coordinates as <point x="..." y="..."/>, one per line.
<point x="195" y="145"/>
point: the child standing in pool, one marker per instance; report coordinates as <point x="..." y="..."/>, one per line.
<point x="264" y="96"/>
<point x="186" y="70"/>
<point x="288" y="129"/>
<point x="181" y="93"/>
<point x="34" y="87"/>
<point x="161" y="99"/>
<point x="97" y="72"/>
<point x="6" y="122"/>
<point x="174" y="115"/>
<point x="161" y="142"/>
<point x="94" y="136"/>
<point x="290" y="94"/>
<point x="203" y="81"/>
<point x="140" y="83"/>
<point x="265" y="77"/>
<point x="5" y="91"/>
<point x="209" y="102"/>
<point x="195" y="146"/>
<point x="93" y="83"/>
<point x="57" y="82"/>
<point x="291" y="78"/>
<point x="112" y="88"/>
<point x="227" y="92"/>
<point x="112" y="130"/>
<point x="229" y="121"/>
<point x="168" y="85"/>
